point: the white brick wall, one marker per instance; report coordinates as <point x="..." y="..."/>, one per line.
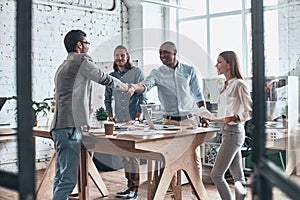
<point x="294" y="36"/>
<point x="289" y="42"/>
<point x="9" y="155"/>
<point x="50" y="23"/>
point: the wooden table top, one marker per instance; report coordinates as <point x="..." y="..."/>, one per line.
<point x="12" y="133"/>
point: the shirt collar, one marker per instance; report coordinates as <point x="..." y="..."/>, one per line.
<point x="125" y="70"/>
<point x="231" y="80"/>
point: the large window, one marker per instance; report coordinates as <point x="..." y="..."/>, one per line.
<point x="226" y="25"/>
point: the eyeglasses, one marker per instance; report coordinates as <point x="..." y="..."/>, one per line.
<point x="85" y="42"/>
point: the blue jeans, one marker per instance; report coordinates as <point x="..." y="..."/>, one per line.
<point x="68" y="143"/>
<point x="229" y="157"/>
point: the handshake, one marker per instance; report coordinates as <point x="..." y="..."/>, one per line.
<point x="131" y="88"/>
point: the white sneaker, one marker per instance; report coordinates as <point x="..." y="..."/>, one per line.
<point x="240" y="191"/>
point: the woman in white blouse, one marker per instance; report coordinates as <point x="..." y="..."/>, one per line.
<point x="234" y="108"/>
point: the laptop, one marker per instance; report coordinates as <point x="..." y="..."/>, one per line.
<point x="2" y="101"/>
<point x="156" y="126"/>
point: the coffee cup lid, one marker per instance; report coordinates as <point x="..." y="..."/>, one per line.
<point x="109" y="122"/>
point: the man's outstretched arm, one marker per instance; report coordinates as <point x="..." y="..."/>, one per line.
<point x="138" y="88"/>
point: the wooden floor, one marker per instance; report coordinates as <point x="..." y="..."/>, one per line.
<point x="116" y="182"/>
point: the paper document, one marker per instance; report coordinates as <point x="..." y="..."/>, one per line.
<point x="203" y="112"/>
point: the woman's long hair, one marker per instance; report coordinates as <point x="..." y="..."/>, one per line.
<point x="231" y="58"/>
<point x="127" y="65"/>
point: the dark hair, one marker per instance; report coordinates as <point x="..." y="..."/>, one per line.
<point x="127" y="65"/>
<point x="231" y="58"/>
<point x="72" y="38"/>
<point x="170" y="44"/>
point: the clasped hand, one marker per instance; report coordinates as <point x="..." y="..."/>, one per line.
<point x="204" y="122"/>
<point x="131" y="90"/>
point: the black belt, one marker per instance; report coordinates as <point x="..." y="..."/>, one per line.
<point x="177" y="118"/>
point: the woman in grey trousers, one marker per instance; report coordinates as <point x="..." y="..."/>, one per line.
<point x="234" y="108"/>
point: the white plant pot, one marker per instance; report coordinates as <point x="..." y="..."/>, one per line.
<point x="100" y="124"/>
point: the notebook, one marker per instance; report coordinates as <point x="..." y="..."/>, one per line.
<point x="156" y="126"/>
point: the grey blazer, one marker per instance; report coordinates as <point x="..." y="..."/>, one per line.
<point x="73" y="90"/>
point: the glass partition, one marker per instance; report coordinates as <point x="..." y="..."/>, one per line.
<point x="228" y="27"/>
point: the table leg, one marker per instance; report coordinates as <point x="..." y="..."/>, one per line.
<point x="83" y="182"/>
<point x="176" y="185"/>
<point x="163" y="184"/>
<point x="95" y="176"/>
<point x="193" y="175"/>
<point x="150" y="180"/>
<point x="87" y="167"/>
<point x="153" y="177"/>
<point x="185" y="162"/>
<point x="47" y="179"/>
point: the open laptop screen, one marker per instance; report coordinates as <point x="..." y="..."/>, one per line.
<point x="2" y="101"/>
<point x="147" y="116"/>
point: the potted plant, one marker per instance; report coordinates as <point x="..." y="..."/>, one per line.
<point x="39" y="109"/>
<point x="101" y="116"/>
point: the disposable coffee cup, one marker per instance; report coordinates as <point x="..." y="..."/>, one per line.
<point x="109" y="128"/>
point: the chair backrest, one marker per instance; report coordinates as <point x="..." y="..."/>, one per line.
<point x="248" y="143"/>
<point x="249" y="128"/>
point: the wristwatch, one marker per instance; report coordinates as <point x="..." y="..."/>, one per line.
<point x="237" y="119"/>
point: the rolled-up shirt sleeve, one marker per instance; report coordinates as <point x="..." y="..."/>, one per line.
<point x="246" y="103"/>
<point x="150" y="81"/>
<point x="195" y="86"/>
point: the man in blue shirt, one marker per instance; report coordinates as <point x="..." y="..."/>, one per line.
<point x="178" y="89"/>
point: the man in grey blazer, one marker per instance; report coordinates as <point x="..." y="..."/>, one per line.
<point x="73" y="81"/>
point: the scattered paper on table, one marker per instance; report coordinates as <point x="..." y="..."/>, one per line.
<point x="203" y="112"/>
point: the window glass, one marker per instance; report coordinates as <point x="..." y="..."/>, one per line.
<point x="216" y="6"/>
<point x="195" y="7"/>
<point x="226" y="34"/>
<point x="270" y="2"/>
<point x="248" y="55"/>
<point x="247" y="4"/>
<point x="271" y="43"/>
<point x="192" y="46"/>
<point x="195" y="30"/>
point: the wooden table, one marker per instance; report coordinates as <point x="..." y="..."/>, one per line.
<point x="48" y="177"/>
<point x="167" y="153"/>
<point x="7" y="134"/>
<point x="170" y="151"/>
